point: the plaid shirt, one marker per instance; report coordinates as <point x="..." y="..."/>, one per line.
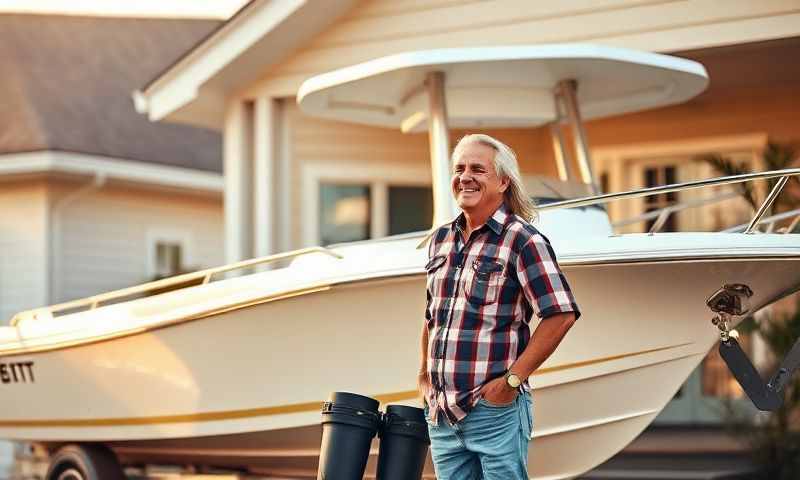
<point x="481" y="296"/>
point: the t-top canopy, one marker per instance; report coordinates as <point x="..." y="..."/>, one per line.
<point x="501" y="86"/>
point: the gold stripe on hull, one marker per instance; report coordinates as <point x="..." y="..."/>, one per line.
<point x="279" y="409"/>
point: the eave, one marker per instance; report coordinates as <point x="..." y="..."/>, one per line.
<point x="194" y="89"/>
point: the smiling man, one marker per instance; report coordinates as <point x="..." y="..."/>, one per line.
<point x="489" y="271"/>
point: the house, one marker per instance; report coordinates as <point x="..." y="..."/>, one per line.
<point x="94" y="197"/>
<point x="306" y="181"/>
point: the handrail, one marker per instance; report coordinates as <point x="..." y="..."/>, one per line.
<point x="676" y="187"/>
<point x="646" y="192"/>
<point x="678" y="207"/>
<point x="767" y="204"/>
<point x="771" y="220"/>
<point x="95" y="300"/>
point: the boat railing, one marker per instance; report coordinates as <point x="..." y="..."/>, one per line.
<point x="771" y="221"/>
<point x="783" y="176"/>
<point x="179" y="281"/>
<point x="661" y="215"/>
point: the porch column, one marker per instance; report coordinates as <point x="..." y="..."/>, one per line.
<point x="238" y="172"/>
<point x="265" y="144"/>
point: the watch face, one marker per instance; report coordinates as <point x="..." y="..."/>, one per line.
<point x="513" y="381"/>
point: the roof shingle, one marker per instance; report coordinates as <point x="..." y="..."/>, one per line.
<point x="66" y="83"/>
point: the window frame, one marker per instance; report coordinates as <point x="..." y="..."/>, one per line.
<point x="378" y="177"/>
<point x="154" y="236"/>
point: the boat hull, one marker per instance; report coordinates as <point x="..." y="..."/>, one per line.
<point x="243" y="388"/>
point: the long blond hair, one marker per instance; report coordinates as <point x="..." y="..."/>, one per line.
<point x="505" y="166"/>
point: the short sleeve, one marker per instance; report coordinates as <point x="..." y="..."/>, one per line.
<point x="541" y="279"/>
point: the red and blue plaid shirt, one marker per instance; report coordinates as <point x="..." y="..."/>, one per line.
<point x="482" y="294"/>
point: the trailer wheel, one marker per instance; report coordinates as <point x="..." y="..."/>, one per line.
<point x="84" y="462"/>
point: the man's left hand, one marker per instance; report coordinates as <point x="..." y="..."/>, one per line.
<point x="498" y="392"/>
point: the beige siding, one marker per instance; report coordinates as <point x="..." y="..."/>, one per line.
<point x="23" y="248"/>
<point x="378" y="28"/>
<point x="103" y="236"/>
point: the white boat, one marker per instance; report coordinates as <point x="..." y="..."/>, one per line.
<point x="232" y="372"/>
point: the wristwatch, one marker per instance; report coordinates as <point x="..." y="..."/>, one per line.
<point x="512" y="380"/>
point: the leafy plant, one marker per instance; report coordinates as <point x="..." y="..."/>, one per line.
<point x="776" y="157"/>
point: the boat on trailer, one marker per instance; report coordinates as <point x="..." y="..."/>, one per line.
<point x="231" y="372"/>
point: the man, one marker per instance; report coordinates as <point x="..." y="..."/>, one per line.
<point x="489" y="271"/>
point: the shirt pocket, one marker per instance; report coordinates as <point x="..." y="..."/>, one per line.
<point x="486" y="280"/>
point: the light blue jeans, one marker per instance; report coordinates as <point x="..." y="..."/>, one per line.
<point x="490" y="443"/>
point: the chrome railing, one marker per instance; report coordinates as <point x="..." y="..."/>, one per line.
<point x="771" y="221"/>
<point x="194" y="278"/>
<point x="784" y="176"/>
<point x="661" y="215"/>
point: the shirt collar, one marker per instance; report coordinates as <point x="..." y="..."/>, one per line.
<point x="495" y="223"/>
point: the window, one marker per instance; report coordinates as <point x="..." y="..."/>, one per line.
<point x="346" y="202"/>
<point x="344" y="214"/>
<point x="169" y="253"/>
<point x="654" y="177"/>
<point x="410" y="209"/>
<point x="168" y="259"/>
<point x="346" y="211"/>
<point x="604" y="183"/>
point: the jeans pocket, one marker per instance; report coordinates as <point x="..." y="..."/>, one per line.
<point x="488" y="404"/>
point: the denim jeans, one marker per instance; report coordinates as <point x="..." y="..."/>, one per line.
<point x="490" y="443"/>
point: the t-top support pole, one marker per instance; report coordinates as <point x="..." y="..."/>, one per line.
<point x="567" y="91"/>
<point x="560" y="152"/>
<point x="444" y="206"/>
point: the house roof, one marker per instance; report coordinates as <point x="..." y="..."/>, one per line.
<point x="194" y="88"/>
<point x="66" y="82"/>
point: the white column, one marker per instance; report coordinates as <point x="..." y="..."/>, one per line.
<point x="238" y="171"/>
<point x="285" y="177"/>
<point x="444" y="206"/>
<point x="265" y="140"/>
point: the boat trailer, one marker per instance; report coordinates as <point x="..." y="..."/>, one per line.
<point x="733" y="300"/>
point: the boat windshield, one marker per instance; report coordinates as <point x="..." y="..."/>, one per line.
<point x="544" y="189"/>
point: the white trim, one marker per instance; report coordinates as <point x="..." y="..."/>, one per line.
<point x="379" y="177"/>
<point x="265" y="30"/>
<point x="180" y="84"/>
<point x="264" y="167"/>
<point x="111" y="168"/>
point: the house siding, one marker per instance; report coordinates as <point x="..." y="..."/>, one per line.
<point x="379" y="28"/>
<point x="103" y="236"/>
<point x="23" y="248"/>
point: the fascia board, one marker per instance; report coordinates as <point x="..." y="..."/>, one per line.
<point x="111" y="168"/>
<point x="181" y="83"/>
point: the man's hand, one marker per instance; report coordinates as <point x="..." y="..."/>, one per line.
<point x="498" y="392"/>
